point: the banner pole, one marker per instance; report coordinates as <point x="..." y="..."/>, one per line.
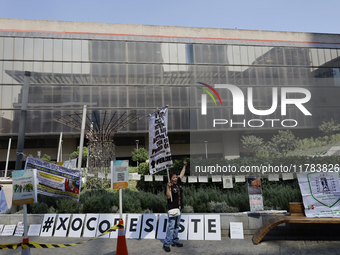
<point x="120" y="204"/>
<point x="167" y="170"/>
<point x="59" y="147"/>
<point x="7" y="159"/>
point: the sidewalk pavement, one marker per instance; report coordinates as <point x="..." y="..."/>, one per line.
<point x="104" y="246"/>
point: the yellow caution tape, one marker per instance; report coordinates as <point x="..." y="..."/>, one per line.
<point x="14" y="246"/>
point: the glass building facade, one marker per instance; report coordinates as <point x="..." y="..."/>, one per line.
<point x="139" y="74"/>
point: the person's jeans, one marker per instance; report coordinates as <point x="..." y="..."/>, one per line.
<point x="172" y="230"/>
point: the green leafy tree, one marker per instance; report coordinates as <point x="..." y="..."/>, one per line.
<point x="329" y="128"/>
<point x="252" y="144"/>
<point x="75" y="154"/>
<point x="140" y="155"/>
<point x="284" y="142"/>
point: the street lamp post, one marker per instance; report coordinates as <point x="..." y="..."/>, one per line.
<point x="137" y="141"/>
<point x="206" y="149"/>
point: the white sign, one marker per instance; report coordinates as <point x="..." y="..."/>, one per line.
<point x="119" y="174"/>
<point x="212" y="223"/>
<point x="216" y="178"/>
<point x="192" y="179"/>
<point x="48" y="225"/>
<point x="104" y="223"/>
<point x="76" y="226"/>
<point x="133" y="226"/>
<point x="159" y="178"/>
<point x="91" y="224"/>
<point x="149" y="226"/>
<point x="287" y="176"/>
<point x="159" y="145"/>
<point x="19" y="231"/>
<point x="196" y="227"/>
<point x="184" y="179"/>
<point x="273" y="177"/>
<point x="320" y="193"/>
<point x="227" y="182"/>
<point x="34" y="230"/>
<point x="240" y="178"/>
<point x="236" y="230"/>
<point x="8" y="230"/>
<point x="24" y="186"/>
<point x="203" y="178"/>
<point x="148" y="178"/>
<point x="63" y="221"/>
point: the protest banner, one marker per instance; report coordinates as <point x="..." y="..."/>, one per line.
<point x="159" y="146"/>
<point x="320" y="193"/>
<point x="24" y="186"/>
<point x="54" y="180"/>
<point x="255" y="193"/>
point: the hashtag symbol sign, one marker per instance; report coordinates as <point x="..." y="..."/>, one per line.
<point x="48" y="224"/>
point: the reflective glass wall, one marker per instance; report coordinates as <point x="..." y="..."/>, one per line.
<point x="141" y="76"/>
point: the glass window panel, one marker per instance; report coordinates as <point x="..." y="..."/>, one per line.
<point x="1" y="71"/>
<point x="122" y="97"/>
<point x="47" y="120"/>
<point x="47" y="73"/>
<point x="165" y="53"/>
<point x="76" y="50"/>
<point x="117" y="51"/>
<point x="214" y="58"/>
<point x="149" y="76"/>
<point x="237" y="55"/>
<point x="76" y="68"/>
<point x="8" y="67"/>
<point x="19" y="48"/>
<point x="104" y="101"/>
<point x="251" y="55"/>
<point x="9" y="48"/>
<point x="206" y="53"/>
<point x="140" y="97"/>
<point x="48" y="49"/>
<point x="334" y="55"/>
<point x="132" y="51"/>
<point x="184" y="96"/>
<point x="95" y="96"/>
<point x="6" y="97"/>
<point x="303" y="56"/>
<point x="259" y="56"/>
<point x="67" y="50"/>
<point x="173" y="53"/>
<point x="175" y="102"/>
<point x="28" y="66"/>
<point x="85" y="50"/>
<point x="157" y="49"/>
<point x="244" y="55"/>
<point x="198" y="53"/>
<point x="182" y="55"/>
<point x="1" y="47"/>
<point x="38" y="49"/>
<point x="114" y="96"/>
<point x="17" y="66"/>
<point x="28" y="49"/>
<point x="189" y="48"/>
<point x="272" y="57"/>
<point x="158" y="74"/>
<point x="327" y="55"/>
<point x="158" y="93"/>
<point x="149" y="97"/>
<point x="321" y="56"/>
<point x="38" y="67"/>
<point x="57" y="49"/>
<point x="140" y="52"/>
<point x="132" y="96"/>
<point x="122" y="73"/>
<point x="221" y="54"/>
<point x="314" y="57"/>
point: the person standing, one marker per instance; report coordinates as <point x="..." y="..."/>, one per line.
<point x="174" y="207"/>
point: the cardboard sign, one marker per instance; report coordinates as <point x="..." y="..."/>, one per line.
<point x="116" y="218"/>
<point x="104" y="223"/>
<point x="236" y="230"/>
<point x="91" y="224"/>
<point x="34" y="230"/>
<point x="287" y="176"/>
<point x="203" y="178"/>
<point x="196" y="227"/>
<point x="19" y="231"/>
<point x="192" y="179"/>
<point x="149" y="226"/>
<point x="183" y="227"/>
<point x="162" y="225"/>
<point x="148" y="178"/>
<point x="133" y="226"/>
<point x="212" y="223"/>
<point x="240" y="178"/>
<point x="227" y="182"/>
<point x="159" y="178"/>
<point x="63" y="221"/>
<point x="8" y="230"/>
<point x="216" y="178"/>
<point x="273" y="177"/>
<point x="76" y="225"/>
<point x="48" y="225"/>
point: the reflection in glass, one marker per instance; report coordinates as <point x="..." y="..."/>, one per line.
<point x="18" y="48"/>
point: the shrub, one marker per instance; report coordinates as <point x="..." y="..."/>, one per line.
<point x="221" y="207"/>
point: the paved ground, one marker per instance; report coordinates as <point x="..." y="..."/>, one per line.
<point x="225" y="246"/>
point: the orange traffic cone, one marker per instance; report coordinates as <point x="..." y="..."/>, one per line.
<point x="25" y="251"/>
<point x="121" y="242"/>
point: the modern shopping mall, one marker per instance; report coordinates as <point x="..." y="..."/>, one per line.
<point x="140" y="68"/>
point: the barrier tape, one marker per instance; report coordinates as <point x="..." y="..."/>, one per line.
<point x="14" y="246"/>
